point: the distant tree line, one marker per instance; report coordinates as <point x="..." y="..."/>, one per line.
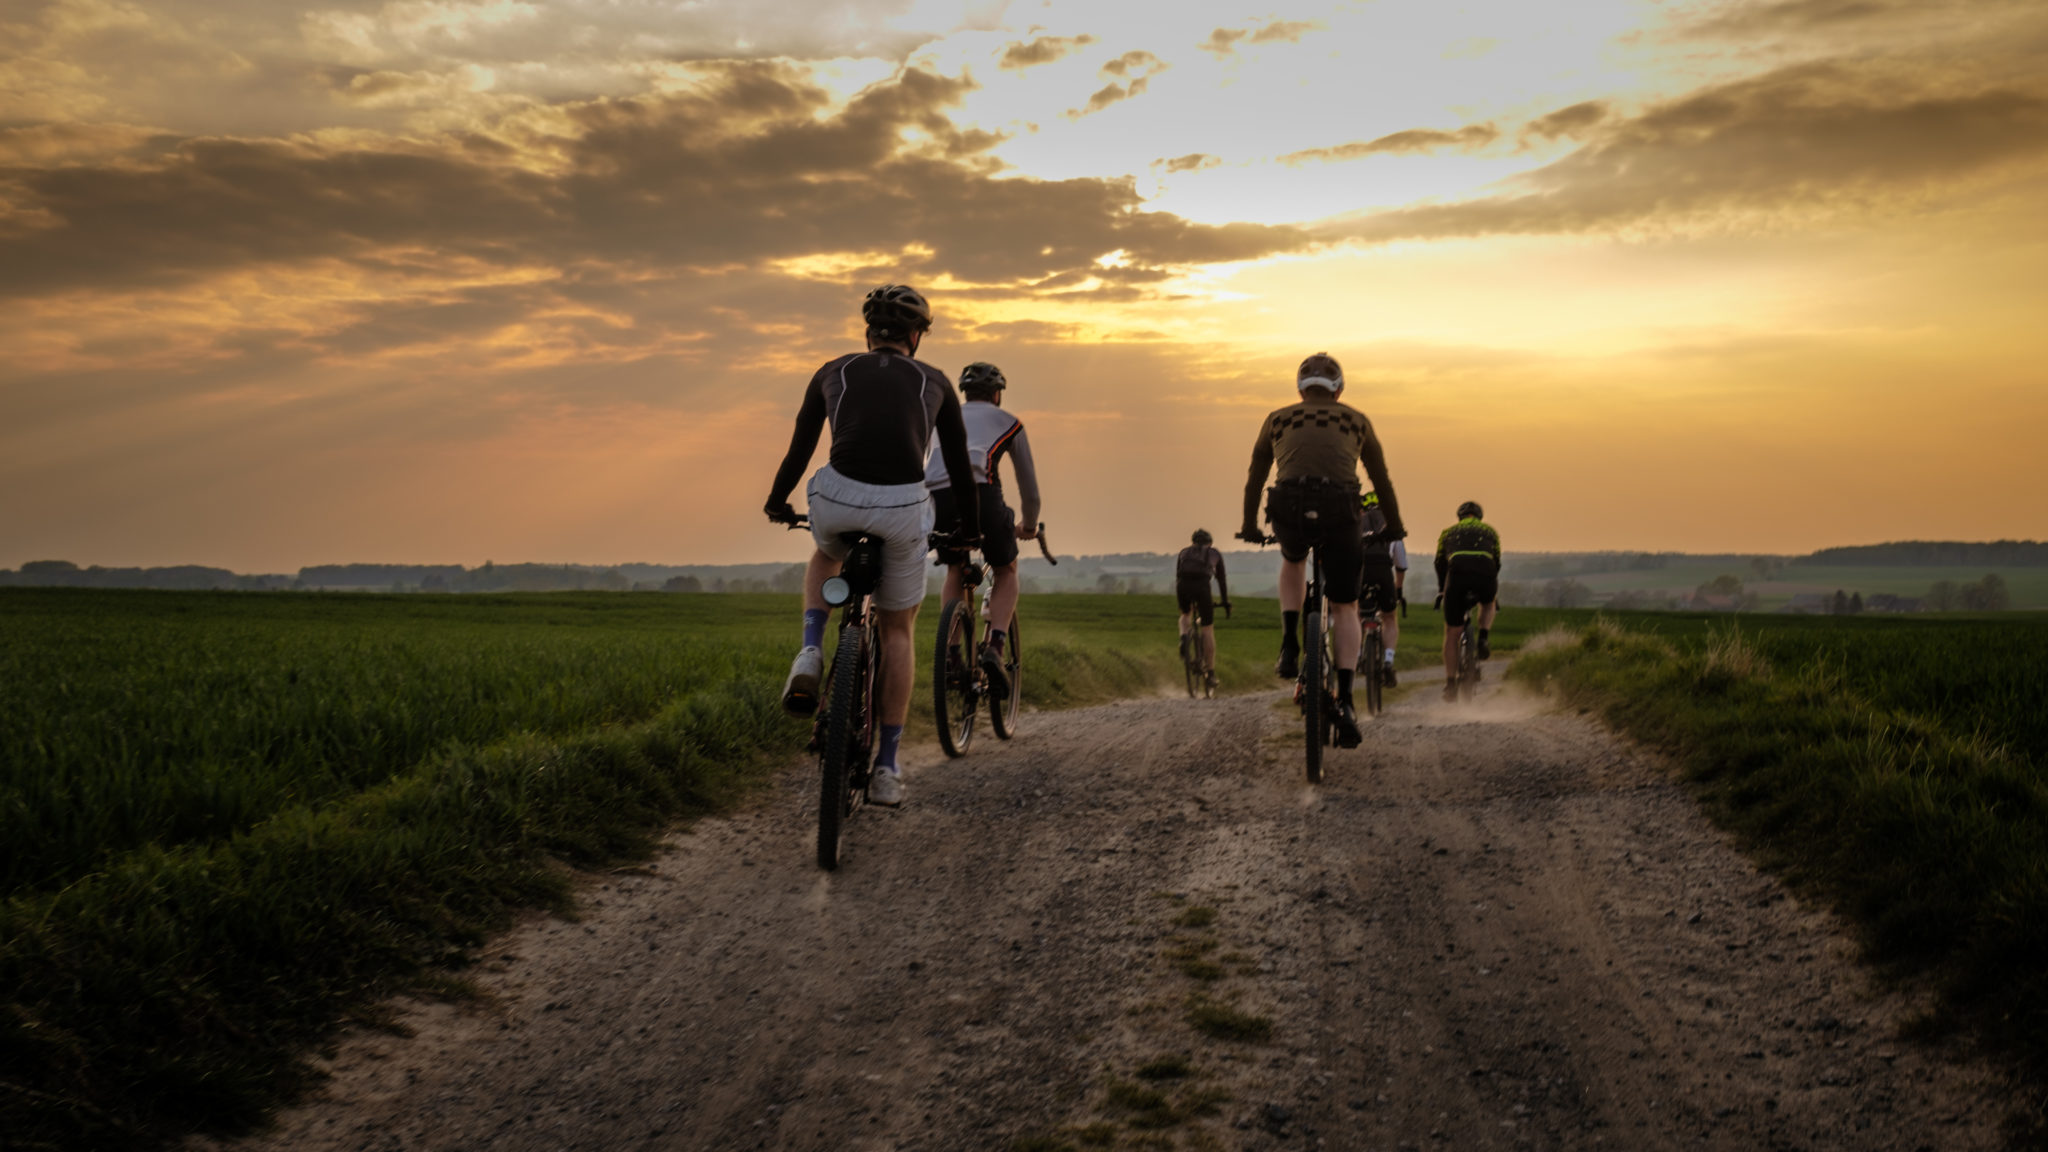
<point x="178" y="578"/>
<point x="1936" y="553"/>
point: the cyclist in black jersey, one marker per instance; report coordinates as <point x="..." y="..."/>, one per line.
<point x="992" y="435"/>
<point x="1467" y="578"/>
<point x="884" y="405"/>
<point x="1318" y="446"/>
<point x="1381" y="576"/>
<point x="1196" y="565"/>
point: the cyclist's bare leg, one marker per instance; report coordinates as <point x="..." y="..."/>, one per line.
<point x="1208" y="647"/>
<point x="1390" y="628"/>
<point x="820" y="569"/>
<point x="1344" y="626"/>
<point x="1002" y="601"/>
<point x="949" y="588"/>
<point x="1452" y="634"/>
<point x="1293" y="584"/>
<point x="898" y="669"/>
<point x="1487" y="614"/>
<point x="1186" y="621"/>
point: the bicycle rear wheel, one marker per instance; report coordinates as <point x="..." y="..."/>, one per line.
<point x="1191" y="659"/>
<point x="1468" y="659"/>
<point x="953" y="678"/>
<point x="1002" y="711"/>
<point x="842" y="723"/>
<point x="1314" y="699"/>
<point x="1375" y="647"/>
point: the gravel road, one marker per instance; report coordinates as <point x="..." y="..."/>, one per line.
<point x="1493" y="926"/>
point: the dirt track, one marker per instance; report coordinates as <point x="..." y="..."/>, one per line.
<point x="1492" y="927"/>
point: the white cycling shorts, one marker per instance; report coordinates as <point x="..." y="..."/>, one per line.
<point x="901" y="514"/>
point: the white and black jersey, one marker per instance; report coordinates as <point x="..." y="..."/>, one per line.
<point x="993" y="434"/>
<point x="884" y="409"/>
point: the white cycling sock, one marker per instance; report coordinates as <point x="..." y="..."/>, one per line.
<point x="1390" y="655"/>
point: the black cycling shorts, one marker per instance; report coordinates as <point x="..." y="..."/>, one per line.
<point x="1333" y="531"/>
<point x="1193" y="594"/>
<point x="1472" y="581"/>
<point x="1376" y="585"/>
<point x="998" y="526"/>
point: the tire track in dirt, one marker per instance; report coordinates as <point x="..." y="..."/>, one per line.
<point x="1492" y="927"/>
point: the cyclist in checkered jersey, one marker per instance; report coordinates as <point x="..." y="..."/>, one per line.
<point x="1318" y="446"/>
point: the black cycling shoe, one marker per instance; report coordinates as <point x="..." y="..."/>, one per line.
<point x="1289" y="665"/>
<point x="1485" y="649"/>
<point x="1346" y="722"/>
<point x="1387" y="675"/>
<point x="992" y="667"/>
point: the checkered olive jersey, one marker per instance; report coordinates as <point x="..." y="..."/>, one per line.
<point x="1320" y="437"/>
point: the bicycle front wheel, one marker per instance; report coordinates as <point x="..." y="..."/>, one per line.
<point x="953" y="695"/>
<point x="1191" y="660"/>
<point x="1002" y="710"/>
<point x="1314" y="699"/>
<point x="842" y="733"/>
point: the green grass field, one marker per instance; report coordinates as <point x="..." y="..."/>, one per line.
<point x="228" y="820"/>
<point x="1891" y="766"/>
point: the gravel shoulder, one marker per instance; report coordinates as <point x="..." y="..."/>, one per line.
<point x="1493" y="926"/>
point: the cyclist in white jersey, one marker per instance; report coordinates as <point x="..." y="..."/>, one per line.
<point x="992" y="435"/>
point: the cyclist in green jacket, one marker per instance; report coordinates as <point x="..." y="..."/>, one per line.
<point x="1467" y="577"/>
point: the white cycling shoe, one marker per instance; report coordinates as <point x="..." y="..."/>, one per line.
<point x="800" y="691"/>
<point x="885" y="786"/>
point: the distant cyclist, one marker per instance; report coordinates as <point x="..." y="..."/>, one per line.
<point x="1467" y="577"/>
<point x="883" y="405"/>
<point x="1385" y="570"/>
<point x="1317" y="446"/>
<point x="1192" y="571"/>
<point x="992" y="434"/>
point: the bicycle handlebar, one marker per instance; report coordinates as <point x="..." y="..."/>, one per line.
<point x="1045" y="549"/>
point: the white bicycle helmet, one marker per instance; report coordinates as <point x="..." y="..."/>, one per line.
<point x="1320" y="371"/>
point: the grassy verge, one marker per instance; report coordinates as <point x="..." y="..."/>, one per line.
<point x="1925" y="832"/>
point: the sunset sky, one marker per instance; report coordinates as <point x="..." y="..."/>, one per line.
<point x="441" y="281"/>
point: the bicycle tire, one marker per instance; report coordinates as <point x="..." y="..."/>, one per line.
<point x="1312" y="695"/>
<point x="835" y="795"/>
<point x="1375" y="656"/>
<point x="1191" y="659"/>
<point x="1468" y="658"/>
<point x="1002" y="713"/>
<point x="953" y="685"/>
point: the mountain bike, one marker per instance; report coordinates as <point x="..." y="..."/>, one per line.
<point x="1372" y="654"/>
<point x="959" y="684"/>
<point x="844" y="731"/>
<point x="1191" y="657"/>
<point x="1372" y="657"/>
<point x="1468" y="647"/>
<point x="1315" y="687"/>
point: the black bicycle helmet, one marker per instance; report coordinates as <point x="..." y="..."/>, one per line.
<point x="1320" y="371"/>
<point x="1202" y="536"/>
<point x="894" y="311"/>
<point x="982" y="376"/>
<point x="1470" y="510"/>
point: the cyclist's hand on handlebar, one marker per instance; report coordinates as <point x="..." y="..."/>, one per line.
<point x="780" y="511"/>
<point x="1250" y="534"/>
<point x="1027" y="532"/>
<point x="1439" y="601"/>
<point x="1226" y="609"/>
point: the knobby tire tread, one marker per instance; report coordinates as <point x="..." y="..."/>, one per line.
<point x="1313" y="674"/>
<point x="845" y="694"/>
<point x="1002" y="714"/>
<point x="953" y="712"/>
